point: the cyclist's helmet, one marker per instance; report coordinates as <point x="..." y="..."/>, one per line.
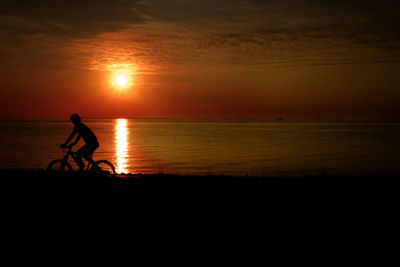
<point x="75" y="117"/>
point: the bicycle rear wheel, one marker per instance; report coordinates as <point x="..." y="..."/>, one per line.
<point x="103" y="167"/>
<point x="58" y="165"/>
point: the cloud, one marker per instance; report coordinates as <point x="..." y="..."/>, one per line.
<point x="156" y="35"/>
<point x="70" y="18"/>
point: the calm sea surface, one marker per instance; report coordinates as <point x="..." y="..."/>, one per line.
<point x="215" y="147"/>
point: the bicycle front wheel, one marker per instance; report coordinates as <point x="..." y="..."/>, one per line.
<point x="103" y="167"/>
<point x="58" y="165"/>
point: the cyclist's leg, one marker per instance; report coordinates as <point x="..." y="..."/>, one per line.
<point x="79" y="154"/>
<point x="89" y="152"/>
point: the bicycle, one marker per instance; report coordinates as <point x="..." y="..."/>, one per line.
<point x="102" y="167"/>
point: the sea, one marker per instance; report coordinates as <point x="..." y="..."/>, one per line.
<point x="215" y="147"/>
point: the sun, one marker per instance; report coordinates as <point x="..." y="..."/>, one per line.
<point x="121" y="80"/>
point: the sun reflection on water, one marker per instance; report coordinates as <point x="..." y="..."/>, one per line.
<point x="121" y="143"/>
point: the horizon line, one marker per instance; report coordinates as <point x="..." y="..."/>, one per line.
<point x="214" y="119"/>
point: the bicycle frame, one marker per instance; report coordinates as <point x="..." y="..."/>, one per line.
<point x="98" y="167"/>
<point x="71" y="153"/>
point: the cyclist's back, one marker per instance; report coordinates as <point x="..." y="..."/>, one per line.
<point x="87" y="135"/>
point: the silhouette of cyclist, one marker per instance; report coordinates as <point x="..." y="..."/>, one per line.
<point x="87" y="135"/>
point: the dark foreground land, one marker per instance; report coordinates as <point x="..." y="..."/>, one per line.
<point x="40" y="177"/>
<point x="217" y="193"/>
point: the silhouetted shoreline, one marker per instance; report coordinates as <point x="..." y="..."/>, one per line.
<point x="36" y="177"/>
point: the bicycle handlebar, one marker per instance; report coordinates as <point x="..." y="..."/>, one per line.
<point x="67" y="148"/>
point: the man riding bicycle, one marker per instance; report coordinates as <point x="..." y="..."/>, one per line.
<point x="87" y="135"/>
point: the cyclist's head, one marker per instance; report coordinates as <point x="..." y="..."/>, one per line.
<point x="75" y="118"/>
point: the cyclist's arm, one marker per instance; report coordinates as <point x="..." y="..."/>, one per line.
<point x="74" y="132"/>
<point x="76" y="140"/>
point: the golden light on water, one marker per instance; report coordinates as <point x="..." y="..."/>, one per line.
<point x="121" y="143"/>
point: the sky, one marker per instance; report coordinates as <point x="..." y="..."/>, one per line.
<point x="255" y="59"/>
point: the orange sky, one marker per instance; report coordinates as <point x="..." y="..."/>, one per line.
<point x="242" y="59"/>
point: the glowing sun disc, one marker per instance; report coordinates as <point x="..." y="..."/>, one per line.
<point x="121" y="80"/>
